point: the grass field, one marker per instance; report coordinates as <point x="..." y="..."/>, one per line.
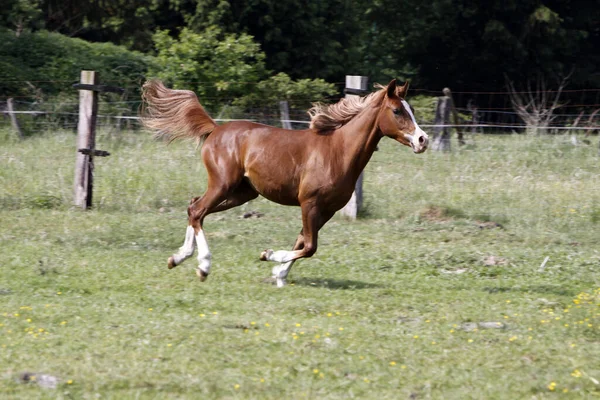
<point x="436" y="292"/>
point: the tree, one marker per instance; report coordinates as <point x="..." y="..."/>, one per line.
<point x="124" y="22"/>
<point x="315" y="39"/>
<point x="470" y="46"/>
<point x="219" y="67"/>
<point x="300" y="93"/>
<point x="19" y="15"/>
<point x="536" y="106"/>
<point x="224" y="68"/>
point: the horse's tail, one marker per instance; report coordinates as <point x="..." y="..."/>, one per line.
<point x="174" y="114"/>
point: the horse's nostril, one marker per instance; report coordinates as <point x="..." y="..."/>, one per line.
<point x="421" y="139"/>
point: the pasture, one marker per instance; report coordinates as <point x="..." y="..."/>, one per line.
<point x="438" y="291"/>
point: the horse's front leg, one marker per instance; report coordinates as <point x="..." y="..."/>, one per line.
<point x="310" y="217"/>
<point x="306" y="244"/>
<point x="281" y="271"/>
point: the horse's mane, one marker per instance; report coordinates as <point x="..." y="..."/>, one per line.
<point x="328" y="117"/>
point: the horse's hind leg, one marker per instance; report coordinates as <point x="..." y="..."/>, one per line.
<point x="210" y="204"/>
<point x="185" y="251"/>
<point x="212" y="201"/>
<point x="189" y="244"/>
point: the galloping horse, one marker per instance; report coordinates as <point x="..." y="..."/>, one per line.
<point x="315" y="168"/>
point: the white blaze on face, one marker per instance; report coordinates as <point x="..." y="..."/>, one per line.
<point x="417" y="133"/>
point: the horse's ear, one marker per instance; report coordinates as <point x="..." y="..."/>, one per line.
<point x="401" y="90"/>
<point x="391" y="88"/>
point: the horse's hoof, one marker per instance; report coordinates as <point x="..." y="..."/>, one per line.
<point x="201" y="274"/>
<point x="264" y="256"/>
<point x="281" y="282"/>
<point x="171" y="263"/>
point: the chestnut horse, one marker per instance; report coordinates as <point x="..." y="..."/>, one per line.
<point x="315" y="168"/>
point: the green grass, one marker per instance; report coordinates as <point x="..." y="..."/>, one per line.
<point x="382" y="310"/>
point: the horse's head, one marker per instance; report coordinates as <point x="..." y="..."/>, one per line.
<point x="397" y="121"/>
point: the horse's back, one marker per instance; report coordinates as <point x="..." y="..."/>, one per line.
<point x="250" y="137"/>
<point x="272" y="159"/>
<point x="261" y="132"/>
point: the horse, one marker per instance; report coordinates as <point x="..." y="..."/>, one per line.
<point x="315" y="168"/>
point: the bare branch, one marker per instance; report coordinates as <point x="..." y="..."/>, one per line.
<point x="538" y="112"/>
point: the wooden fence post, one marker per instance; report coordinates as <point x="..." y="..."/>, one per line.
<point x="284" y="113"/>
<point x="86" y="139"/>
<point x="86" y="136"/>
<point x="356" y="84"/>
<point x="472" y="107"/>
<point x="442" y="132"/>
<point x="13" y="118"/>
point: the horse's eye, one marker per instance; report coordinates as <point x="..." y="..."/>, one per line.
<point x="396" y="111"/>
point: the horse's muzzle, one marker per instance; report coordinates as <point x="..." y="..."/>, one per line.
<point x="419" y="141"/>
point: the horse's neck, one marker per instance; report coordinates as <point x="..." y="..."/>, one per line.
<point x="360" y="137"/>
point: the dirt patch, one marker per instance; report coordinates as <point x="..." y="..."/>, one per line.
<point x="445" y="214"/>
<point x="491" y="261"/>
<point x="435" y="214"/>
<point x="488" y="225"/>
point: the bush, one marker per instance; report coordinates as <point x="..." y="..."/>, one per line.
<point x="42" y="65"/>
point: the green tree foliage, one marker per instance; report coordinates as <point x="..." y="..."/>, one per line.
<point x="124" y="22"/>
<point x="306" y="39"/>
<point x="225" y="68"/>
<point x="20" y="15"/>
<point x="300" y="93"/>
<point x="464" y="44"/>
<point x="468" y="45"/>
<point x="218" y="67"/>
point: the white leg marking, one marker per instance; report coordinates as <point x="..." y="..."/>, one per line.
<point x="281" y="271"/>
<point x="281" y="256"/>
<point x="204" y="255"/>
<point x="188" y="247"/>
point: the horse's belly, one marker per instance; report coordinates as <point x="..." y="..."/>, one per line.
<point x="273" y="189"/>
<point x="281" y="198"/>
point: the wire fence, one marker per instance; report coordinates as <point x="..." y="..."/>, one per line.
<point x="493" y="108"/>
<point x="35" y="121"/>
<point x="480" y="111"/>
